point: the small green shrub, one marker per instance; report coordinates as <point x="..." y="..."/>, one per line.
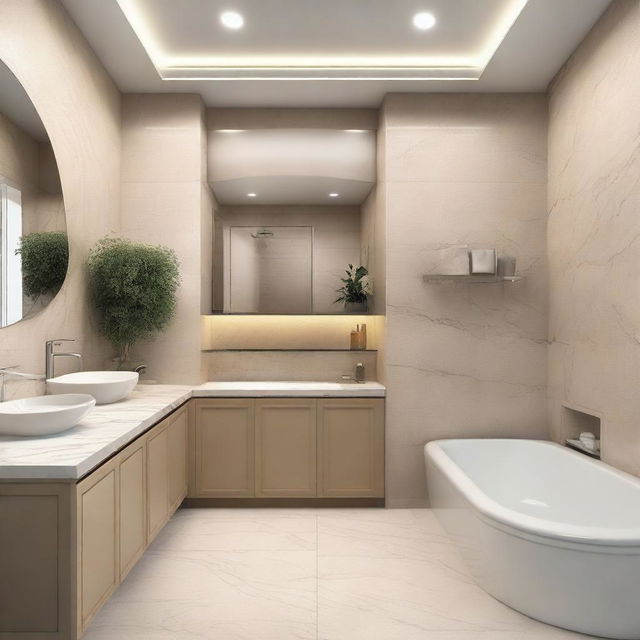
<point x="355" y="288"/>
<point x="45" y="258"/>
<point x="133" y="287"/>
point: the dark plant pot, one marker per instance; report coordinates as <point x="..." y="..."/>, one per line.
<point x="355" y="307"/>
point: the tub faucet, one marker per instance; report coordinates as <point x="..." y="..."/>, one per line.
<point x="51" y="355"/>
<point x="9" y="371"/>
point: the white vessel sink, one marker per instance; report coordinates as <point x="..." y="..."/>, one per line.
<point x="44" y="415"/>
<point x="105" y="386"/>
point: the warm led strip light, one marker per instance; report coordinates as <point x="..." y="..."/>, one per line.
<point x="319" y="68"/>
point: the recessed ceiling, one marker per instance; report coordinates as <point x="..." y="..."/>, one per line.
<point x="307" y="39"/>
<point x="331" y="53"/>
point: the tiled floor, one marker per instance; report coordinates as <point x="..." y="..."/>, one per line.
<point x="275" y="574"/>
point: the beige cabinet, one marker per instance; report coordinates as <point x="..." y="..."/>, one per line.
<point x="157" y="481"/>
<point x="177" y="457"/>
<point x="97" y="517"/>
<point x="351" y="447"/>
<point x="223" y="448"/>
<point x="287" y="448"/>
<point x="132" y="505"/>
<point x="285" y="460"/>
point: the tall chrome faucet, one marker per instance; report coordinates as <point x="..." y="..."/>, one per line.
<point x="51" y="355"/>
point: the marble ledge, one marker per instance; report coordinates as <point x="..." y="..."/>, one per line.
<point x="69" y="456"/>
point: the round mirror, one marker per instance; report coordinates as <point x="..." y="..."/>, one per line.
<point x="34" y="251"/>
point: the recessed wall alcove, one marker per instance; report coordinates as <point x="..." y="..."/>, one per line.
<point x="576" y="419"/>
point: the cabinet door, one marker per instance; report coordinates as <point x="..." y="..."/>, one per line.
<point x="286" y="448"/>
<point x="223" y="448"/>
<point x="157" y="482"/>
<point x="177" y="443"/>
<point x="97" y="540"/>
<point x="351" y="447"/>
<point x="133" y="505"/>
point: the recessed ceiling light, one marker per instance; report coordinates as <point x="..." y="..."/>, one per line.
<point x="355" y="130"/>
<point x="231" y="20"/>
<point x="334" y="195"/>
<point x="424" y="20"/>
<point x="251" y="195"/>
<point x="229" y="130"/>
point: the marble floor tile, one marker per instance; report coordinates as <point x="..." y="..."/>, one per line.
<point x="323" y="574"/>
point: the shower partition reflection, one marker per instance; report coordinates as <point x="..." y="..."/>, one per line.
<point x="271" y="269"/>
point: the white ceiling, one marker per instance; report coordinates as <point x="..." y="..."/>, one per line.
<point x="291" y="166"/>
<point x="322" y="40"/>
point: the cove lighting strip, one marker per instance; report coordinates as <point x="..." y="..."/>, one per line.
<point x="319" y="67"/>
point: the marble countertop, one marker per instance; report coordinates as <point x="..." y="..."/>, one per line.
<point x="70" y="455"/>
<point x="289" y="389"/>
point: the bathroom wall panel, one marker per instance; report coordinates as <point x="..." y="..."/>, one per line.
<point x="165" y="201"/>
<point x="594" y="228"/>
<point x="52" y="58"/>
<point x="462" y="360"/>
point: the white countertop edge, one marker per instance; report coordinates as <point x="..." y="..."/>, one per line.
<point x="68" y="472"/>
<point x="289" y="389"/>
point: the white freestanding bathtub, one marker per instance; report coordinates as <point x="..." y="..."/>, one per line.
<point x="546" y="530"/>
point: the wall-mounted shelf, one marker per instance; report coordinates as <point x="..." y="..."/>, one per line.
<point x="578" y="446"/>
<point x="294" y="350"/>
<point x="477" y="279"/>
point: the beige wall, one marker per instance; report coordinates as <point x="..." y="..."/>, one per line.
<point x="594" y="228"/>
<point x="30" y="166"/>
<point x="336" y="241"/>
<point x="462" y="360"/>
<point x="165" y="200"/>
<point x="47" y="53"/>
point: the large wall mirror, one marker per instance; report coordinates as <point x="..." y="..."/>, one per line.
<point x="295" y="211"/>
<point x="33" y="241"/>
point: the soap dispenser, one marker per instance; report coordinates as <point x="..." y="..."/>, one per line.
<point x="359" y="372"/>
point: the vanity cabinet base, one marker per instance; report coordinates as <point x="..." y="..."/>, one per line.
<point x="308" y="449"/>
<point x="65" y="547"/>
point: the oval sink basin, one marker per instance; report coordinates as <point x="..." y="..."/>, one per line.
<point x="104" y="386"/>
<point x="44" y="415"/>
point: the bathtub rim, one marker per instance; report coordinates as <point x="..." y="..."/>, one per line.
<point x="621" y="539"/>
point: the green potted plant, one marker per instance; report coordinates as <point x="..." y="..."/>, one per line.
<point x="45" y="258"/>
<point x="133" y="287"/>
<point x="354" y="291"/>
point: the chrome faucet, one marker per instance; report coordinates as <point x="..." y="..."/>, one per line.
<point x="8" y="371"/>
<point x="51" y="355"/>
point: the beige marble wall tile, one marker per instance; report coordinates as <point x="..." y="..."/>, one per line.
<point x="164" y="201"/>
<point x="80" y="108"/>
<point x="462" y="360"/>
<point x="594" y="228"/>
<point x="287" y="366"/>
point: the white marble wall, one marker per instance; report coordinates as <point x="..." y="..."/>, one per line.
<point x="462" y="360"/>
<point x="594" y="229"/>
<point x="80" y="108"/>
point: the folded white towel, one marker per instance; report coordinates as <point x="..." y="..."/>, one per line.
<point x="483" y="261"/>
